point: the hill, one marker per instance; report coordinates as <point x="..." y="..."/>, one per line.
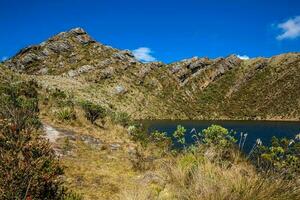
<point x="195" y="88"/>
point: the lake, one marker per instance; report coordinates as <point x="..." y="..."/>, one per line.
<point x="255" y="129"/>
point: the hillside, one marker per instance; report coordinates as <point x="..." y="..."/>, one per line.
<point x="196" y="88"/>
<point x="113" y="157"/>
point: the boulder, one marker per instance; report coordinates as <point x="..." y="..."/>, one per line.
<point x="144" y="71"/>
<point x="29" y="58"/>
<point x="84" y="39"/>
<point x="80" y="70"/>
<point x="119" y="89"/>
<point x="106" y="73"/>
<point x="59" y="46"/>
<point x="77" y="31"/>
<point x="176" y="68"/>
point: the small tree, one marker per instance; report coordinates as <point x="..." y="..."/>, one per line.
<point x="92" y="111"/>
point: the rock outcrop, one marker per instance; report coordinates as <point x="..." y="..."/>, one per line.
<point x="195" y="88"/>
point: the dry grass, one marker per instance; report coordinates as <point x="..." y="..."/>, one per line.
<point x="207" y="180"/>
<point x="104" y="173"/>
<point x="97" y="172"/>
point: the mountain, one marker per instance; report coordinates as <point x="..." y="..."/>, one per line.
<point x="195" y="88"/>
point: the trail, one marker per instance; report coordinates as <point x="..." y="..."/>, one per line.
<point x="52" y="134"/>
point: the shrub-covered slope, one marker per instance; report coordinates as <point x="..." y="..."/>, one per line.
<point x="196" y="88"/>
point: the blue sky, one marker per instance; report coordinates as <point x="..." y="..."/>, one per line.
<point x="163" y="30"/>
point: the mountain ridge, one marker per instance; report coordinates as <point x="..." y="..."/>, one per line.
<point x="195" y="88"/>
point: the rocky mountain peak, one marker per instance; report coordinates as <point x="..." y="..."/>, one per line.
<point x="66" y="51"/>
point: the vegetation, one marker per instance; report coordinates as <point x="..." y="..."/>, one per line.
<point x="29" y="168"/>
<point x="196" y="176"/>
<point x="203" y="172"/>
<point x="179" y="134"/>
<point x="121" y="118"/>
<point x="92" y="111"/>
<point x="66" y="114"/>
<point x="119" y="159"/>
<point x="282" y="157"/>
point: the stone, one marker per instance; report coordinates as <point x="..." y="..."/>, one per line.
<point x="43" y="71"/>
<point x="144" y="71"/>
<point x="115" y="146"/>
<point x="58" y="46"/>
<point x="46" y="52"/>
<point x="198" y="64"/>
<point x="107" y="73"/>
<point x="80" y="70"/>
<point x="84" y="39"/>
<point x="72" y="73"/>
<point x="77" y="31"/>
<point x="174" y="69"/>
<point x="124" y="55"/>
<point x="127" y="53"/>
<point x="119" y="89"/>
<point x="29" y="58"/>
<point x="91" y="141"/>
<point x="233" y="60"/>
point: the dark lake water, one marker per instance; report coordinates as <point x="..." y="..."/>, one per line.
<point x="255" y="129"/>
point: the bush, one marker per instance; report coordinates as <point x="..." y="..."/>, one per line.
<point x="19" y="104"/>
<point x="179" y="134"/>
<point x="160" y="138"/>
<point x="29" y="168"/>
<point x="217" y="136"/>
<point x="92" y="111"/>
<point x="66" y="114"/>
<point x="281" y="157"/>
<point x="139" y="134"/>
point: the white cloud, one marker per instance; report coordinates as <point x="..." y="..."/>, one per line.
<point x="243" y="57"/>
<point x="290" y="29"/>
<point x="143" y="54"/>
<point x="4" y="58"/>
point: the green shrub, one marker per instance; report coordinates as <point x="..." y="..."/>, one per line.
<point x="281" y="157"/>
<point x="19" y="104"/>
<point x="179" y="134"/>
<point x="92" y="111"/>
<point x="66" y="114"/>
<point x="29" y="168"/>
<point x="159" y="137"/>
<point x="139" y="134"/>
<point x="218" y="137"/>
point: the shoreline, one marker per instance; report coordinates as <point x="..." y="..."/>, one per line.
<point x="220" y="119"/>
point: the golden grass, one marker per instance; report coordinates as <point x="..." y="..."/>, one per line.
<point x="237" y="181"/>
<point x="103" y="173"/>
